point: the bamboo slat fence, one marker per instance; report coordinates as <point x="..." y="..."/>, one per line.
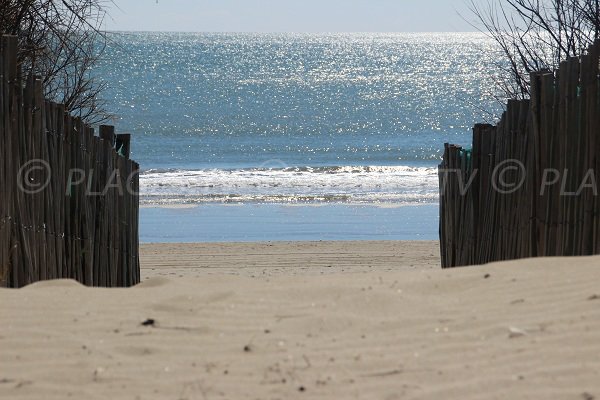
<point x="529" y="185"/>
<point x="68" y="199"/>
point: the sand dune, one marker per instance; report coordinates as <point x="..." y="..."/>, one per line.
<point x="520" y="330"/>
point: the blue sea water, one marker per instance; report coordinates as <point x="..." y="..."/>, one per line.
<point x="307" y="119"/>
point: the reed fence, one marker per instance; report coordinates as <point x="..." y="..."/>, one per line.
<point x="529" y="185"/>
<point x="68" y="199"/>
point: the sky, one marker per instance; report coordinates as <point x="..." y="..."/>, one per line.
<point x="289" y="15"/>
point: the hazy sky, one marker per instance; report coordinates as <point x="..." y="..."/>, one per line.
<point x="289" y="15"/>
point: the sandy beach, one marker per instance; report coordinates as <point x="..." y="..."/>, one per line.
<point x="309" y="320"/>
<point x="287" y="258"/>
<point x="255" y="200"/>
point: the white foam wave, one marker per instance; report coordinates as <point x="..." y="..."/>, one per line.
<point x="362" y="184"/>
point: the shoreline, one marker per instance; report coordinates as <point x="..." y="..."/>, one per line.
<point x="177" y="206"/>
<point x="268" y="222"/>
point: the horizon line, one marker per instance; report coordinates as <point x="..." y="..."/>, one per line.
<point x="282" y="32"/>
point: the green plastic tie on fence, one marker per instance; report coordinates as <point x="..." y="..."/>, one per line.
<point x="468" y="153"/>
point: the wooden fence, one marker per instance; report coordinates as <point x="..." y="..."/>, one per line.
<point x="68" y="199"/>
<point x="529" y="185"/>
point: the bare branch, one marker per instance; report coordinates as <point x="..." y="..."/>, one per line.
<point x="535" y="35"/>
<point x="61" y="41"/>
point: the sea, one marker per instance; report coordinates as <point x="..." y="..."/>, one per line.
<point x="267" y="137"/>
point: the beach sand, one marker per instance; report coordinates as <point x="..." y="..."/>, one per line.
<point x="356" y="322"/>
<point x="287" y="258"/>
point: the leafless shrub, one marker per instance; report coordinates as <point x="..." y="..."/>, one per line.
<point x="61" y="41"/>
<point x="536" y="35"/>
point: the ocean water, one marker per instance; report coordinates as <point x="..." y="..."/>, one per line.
<point x="302" y="119"/>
